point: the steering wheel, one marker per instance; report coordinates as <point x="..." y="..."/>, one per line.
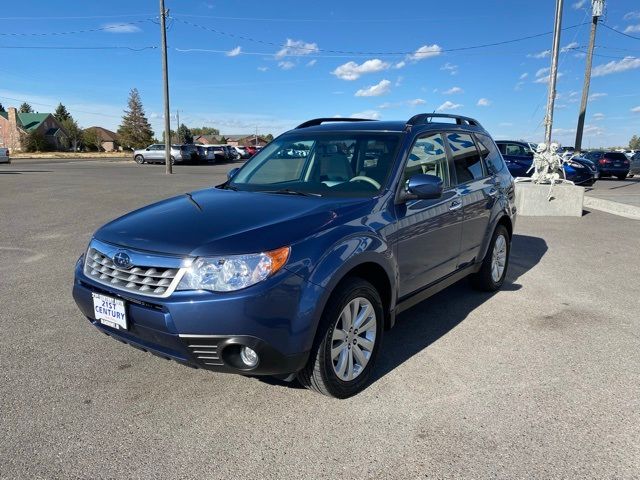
<point x="370" y="180"/>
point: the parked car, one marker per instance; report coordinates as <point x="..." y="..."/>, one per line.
<point x="242" y="152"/>
<point x="251" y="150"/>
<point x="610" y="163"/>
<point x="232" y="155"/>
<point x="4" y="155"/>
<point x="519" y="157"/>
<point x="318" y="256"/>
<point x="202" y="153"/>
<point x="216" y="153"/>
<point x="155" y="153"/>
<point x="634" y="165"/>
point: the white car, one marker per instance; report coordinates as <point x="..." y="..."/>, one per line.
<point x="4" y="155"/>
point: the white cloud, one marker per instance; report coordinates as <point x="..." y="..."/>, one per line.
<point x="453" y="90"/>
<point x="632" y="29"/>
<point x="370" y="114"/>
<point x="546" y="78"/>
<point x="376" y="90"/>
<point x="448" y="106"/>
<point x="311" y="63"/>
<point x="353" y="71"/>
<point x="542" y="54"/>
<point x="627" y="63"/>
<point x="399" y="81"/>
<point x="636" y="109"/>
<point x="598" y="116"/>
<point x="450" y="67"/>
<point x="120" y="28"/>
<point x="286" y="65"/>
<point x="579" y="4"/>
<point x="595" y="96"/>
<point x="569" y="46"/>
<point x="400" y="64"/>
<point x="632" y="16"/>
<point x="518" y="86"/>
<point x="524" y="75"/>
<point x="234" y="52"/>
<point x="426" y="51"/>
<point x="296" y="48"/>
<point x="542" y="72"/>
<point x="416" y="101"/>
<point x="263" y="69"/>
<point x="483" y="102"/>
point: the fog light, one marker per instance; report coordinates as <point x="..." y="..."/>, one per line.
<point x="249" y="357"/>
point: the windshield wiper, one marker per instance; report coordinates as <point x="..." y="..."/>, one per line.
<point x="288" y="191"/>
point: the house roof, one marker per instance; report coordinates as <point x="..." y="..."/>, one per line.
<point x="104" y="134"/>
<point x="29" y="121"/>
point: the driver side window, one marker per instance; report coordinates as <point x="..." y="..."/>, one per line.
<point x="428" y="157"/>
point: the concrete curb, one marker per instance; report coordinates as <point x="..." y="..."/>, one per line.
<point x="615" y="208"/>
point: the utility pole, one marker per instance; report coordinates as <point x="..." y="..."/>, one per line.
<point x="597" y="9"/>
<point x="165" y="78"/>
<point x="177" y="125"/>
<point x="553" y="76"/>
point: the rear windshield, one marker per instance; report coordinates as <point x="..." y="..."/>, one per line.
<point x="616" y="156"/>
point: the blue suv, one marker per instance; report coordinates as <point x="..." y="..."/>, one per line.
<point x="297" y="264"/>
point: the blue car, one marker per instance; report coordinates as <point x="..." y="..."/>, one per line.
<point x="610" y="164"/>
<point x="338" y="226"/>
<point x="519" y="158"/>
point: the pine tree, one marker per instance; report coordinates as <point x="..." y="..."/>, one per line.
<point x="25" y="108"/>
<point x="61" y="113"/>
<point x="634" y="143"/>
<point x="184" y="134"/>
<point x="135" y="131"/>
<point x="2" y="108"/>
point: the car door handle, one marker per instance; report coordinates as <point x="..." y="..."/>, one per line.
<point x="493" y="192"/>
<point x="455" y="205"/>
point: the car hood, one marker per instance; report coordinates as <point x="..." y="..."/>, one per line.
<point x="224" y="222"/>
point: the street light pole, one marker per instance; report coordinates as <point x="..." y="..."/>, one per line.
<point x="553" y="75"/>
<point x="597" y="8"/>
<point x="165" y="79"/>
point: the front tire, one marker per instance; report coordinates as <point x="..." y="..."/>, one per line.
<point x="139" y="159"/>
<point x="493" y="271"/>
<point x="348" y="341"/>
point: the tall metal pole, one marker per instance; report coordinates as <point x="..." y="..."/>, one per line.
<point x="165" y="79"/>
<point x="553" y="76"/>
<point x="598" y="7"/>
<point x="177" y="125"/>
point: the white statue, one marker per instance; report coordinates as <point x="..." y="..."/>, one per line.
<point x="547" y="167"/>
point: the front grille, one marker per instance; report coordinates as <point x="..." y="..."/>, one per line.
<point x="205" y="350"/>
<point x="145" y="280"/>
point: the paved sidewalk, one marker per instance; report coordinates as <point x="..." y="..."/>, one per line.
<point x="619" y="197"/>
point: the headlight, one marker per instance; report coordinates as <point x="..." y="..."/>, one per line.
<point x="575" y="165"/>
<point x="233" y="272"/>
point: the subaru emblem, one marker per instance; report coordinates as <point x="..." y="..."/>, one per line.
<point x="122" y="260"/>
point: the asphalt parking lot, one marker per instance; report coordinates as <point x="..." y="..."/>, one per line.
<point x="540" y="380"/>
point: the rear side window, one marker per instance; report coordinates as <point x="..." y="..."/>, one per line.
<point x="490" y="154"/>
<point x="517" y="150"/>
<point x="466" y="159"/>
<point x="616" y="156"/>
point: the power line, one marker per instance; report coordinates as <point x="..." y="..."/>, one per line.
<point x="73" y="32"/>
<point x="115" y="47"/>
<point x="323" y="20"/>
<point x="348" y="52"/>
<point x="80" y="17"/>
<point x="619" y="32"/>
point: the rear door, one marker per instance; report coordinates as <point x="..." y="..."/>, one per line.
<point x="156" y="152"/>
<point x="477" y="190"/>
<point x="518" y="158"/>
<point x="428" y="231"/>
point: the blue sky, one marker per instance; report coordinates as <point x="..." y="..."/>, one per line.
<point x="239" y="66"/>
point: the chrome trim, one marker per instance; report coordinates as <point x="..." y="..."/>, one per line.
<point x="187" y="335"/>
<point x="139" y="259"/>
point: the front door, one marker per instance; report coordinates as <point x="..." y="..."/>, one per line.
<point x="428" y="231"/>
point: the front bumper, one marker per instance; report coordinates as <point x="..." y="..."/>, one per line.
<point x="205" y="330"/>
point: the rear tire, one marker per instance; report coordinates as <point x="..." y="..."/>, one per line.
<point x="494" y="267"/>
<point x="622" y="177"/>
<point x="345" y="350"/>
<point x="139" y="159"/>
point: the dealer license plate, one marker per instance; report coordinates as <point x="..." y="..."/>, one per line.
<point x="110" y="311"/>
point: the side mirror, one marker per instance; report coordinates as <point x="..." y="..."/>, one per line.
<point x="424" y="187"/>
<point x="147" y="149"/>
<point x="232" y="173"/>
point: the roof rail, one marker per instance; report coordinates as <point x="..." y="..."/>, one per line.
<point x="423" y="118"/>
<point x="320" y="121"/>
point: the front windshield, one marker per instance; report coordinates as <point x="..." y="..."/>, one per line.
<point x="321" y="164"/>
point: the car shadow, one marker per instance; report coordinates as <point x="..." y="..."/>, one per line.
<point x="422" y="325"/>
<point x="425" y="323"/>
